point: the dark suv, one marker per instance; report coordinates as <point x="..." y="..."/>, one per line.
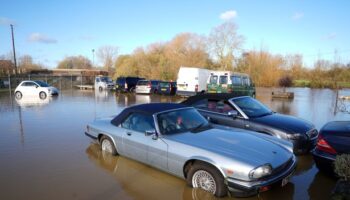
<point x="126" y="84"/>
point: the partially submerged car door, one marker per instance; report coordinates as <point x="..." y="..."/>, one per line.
<point x="220" y="112"/>
<point x="141" y="146"/>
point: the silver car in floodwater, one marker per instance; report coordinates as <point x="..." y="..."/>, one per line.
<point x="178" y="140"/>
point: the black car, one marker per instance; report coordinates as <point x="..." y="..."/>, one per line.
<point x="248" y="113"/>
<point x="333" y="140"/>
<point x="166" y="87"/>
<point x="126" y="84"/>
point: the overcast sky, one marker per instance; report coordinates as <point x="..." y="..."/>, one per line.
<point x="50" y="30"/>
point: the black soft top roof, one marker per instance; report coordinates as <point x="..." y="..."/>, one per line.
<point x="147" y="109"/>
<point x="217" y="96"/>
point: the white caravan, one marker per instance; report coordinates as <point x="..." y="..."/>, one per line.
<point x="191" y="80"/>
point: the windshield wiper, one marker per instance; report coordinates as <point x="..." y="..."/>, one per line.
<point x="200" y="126"/>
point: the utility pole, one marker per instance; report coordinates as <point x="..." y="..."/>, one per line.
<point x="14" y="50"/>
<point x="93" y="58"/>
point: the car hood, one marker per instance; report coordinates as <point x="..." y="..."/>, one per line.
<point x="239" y="146"/>
<point x="284" y="122"/>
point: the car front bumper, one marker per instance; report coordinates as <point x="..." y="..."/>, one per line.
<point x="239" y="188"/>
<point x="303" y="146"/>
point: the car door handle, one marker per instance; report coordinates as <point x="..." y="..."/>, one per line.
<point x="128" y="133"/>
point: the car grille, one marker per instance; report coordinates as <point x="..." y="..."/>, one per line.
<point x="312" y="134"/>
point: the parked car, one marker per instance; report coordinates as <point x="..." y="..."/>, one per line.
<point x="126" y="84"/>
<point x="248" y="113"/>
<point x="35" y="88"/>
<point x="191" y="80"/>
<point x="147" y="86"/>
<point x="178" y="140"/>
<point x="228" y="82"/>
<point x="333" y="140"/>
<point x="103" y="83"/>
<point x="166" y="87"/>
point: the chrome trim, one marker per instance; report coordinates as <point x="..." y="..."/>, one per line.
<point x="238" y="108"/>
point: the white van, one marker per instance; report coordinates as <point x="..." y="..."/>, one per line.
<point x="191" y="80"/>
<point x="103" y="83"/>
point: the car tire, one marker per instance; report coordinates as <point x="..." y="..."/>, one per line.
<point x="132" y="90"/>
<point x="107" y="145"/>
<point x="18" y="95"/>
<point x="42" y="95"/>
<point x="100" y="88"/>
<point x="208" y="178"/>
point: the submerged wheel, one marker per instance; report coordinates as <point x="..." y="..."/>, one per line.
<point x="208" y="178"/>
<point x="100" y="88"/>
<point x="18" y="95"/>
<point x="107" y="145"/>
<point x="42" y="95"/>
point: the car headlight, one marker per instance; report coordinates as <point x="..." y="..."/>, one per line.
<point x="296" y="136"/>
<point x="260" y="171"/>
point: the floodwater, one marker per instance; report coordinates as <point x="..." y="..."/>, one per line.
<point x="44" y="153"/>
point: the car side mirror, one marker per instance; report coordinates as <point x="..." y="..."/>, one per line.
<point x="232" y="113"/>
<point x="151" y="133"/>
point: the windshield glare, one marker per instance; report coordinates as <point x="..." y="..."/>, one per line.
<point x="180" y="121"/>
<point x="42" y="84"/>
<point x="106" y="79"/>
<point x="251" y="107"/>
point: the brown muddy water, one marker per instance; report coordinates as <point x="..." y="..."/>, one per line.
<point x="44" y="153"/>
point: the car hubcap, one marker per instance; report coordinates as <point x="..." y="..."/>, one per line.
<point x="106" y="146"/>
<point x="42" y="95"/>
<point x="204" y="180"/>
<point x="18" y="95"/>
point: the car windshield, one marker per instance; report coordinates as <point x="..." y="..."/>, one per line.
<point x="180" y="121"/>
<point x="143" y="83"/>
<point x="106" y="79"/>
<point x="251" y="107"/>
<point x="42" y="84"/>
<point x="164" y="84"/>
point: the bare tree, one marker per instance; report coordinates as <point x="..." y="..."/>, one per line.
<point x="26" y="62"/>
<point x="224" y="42"/>
<point x="75" y="62"/>
<point x="108" y="55"/>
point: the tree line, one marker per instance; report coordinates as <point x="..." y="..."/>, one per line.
<point x="221" y="49"/>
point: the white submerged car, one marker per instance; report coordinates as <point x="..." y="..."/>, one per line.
<point x="35" y="89"/>
<point x="178" y="140"/>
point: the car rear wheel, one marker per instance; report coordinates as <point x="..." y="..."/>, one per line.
<point x="18" y="95"/>
<point x="208" y="178"/>
<point x="100" y="88"/>
<point x="42" y="95"/>
<point x="107" y="145"/>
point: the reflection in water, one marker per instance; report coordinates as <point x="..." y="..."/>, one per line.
<point x="143" y="182"/>
<point x="305" y="163"/>
<point x="321" y="187"/>
<point x="33" y="101"/>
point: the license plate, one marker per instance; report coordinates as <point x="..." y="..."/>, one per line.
<point x="117" y="86"/>
<point x="286" y="180"/>
<point x="163" y="89"/>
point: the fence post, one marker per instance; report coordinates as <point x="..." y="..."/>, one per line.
<point x="71" y="81"/>
<point x="81" y="80"/>
<point x="46" y="78"/>
<point x="9" y="83"/>
<point x="29" y="76"/>
<point x="61" y="82"/>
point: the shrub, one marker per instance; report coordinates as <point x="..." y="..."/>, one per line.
<point x="342" y="166"/>
<point x="285" y="81"/>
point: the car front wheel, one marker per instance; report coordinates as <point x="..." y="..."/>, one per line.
<point x="18" y="95"/>
<point x="107" y="145"/>
<point x="42" y="95"/>
<point x="208" y="178"/>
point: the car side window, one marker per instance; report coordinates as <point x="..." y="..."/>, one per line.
<point x="236" y="80"/>
<point x="219" y="106"/>
<point x="29" y="84"/>
<point x="138" y="122"/>
<point x="201" y="104"/>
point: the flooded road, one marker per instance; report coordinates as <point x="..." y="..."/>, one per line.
<point x="44" y="153"/>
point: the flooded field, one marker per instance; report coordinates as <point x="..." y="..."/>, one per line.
<point x="44" y="153"/>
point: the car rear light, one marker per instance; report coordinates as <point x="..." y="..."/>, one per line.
<point x="323" y="145"/>
<point x="264" y="188"/>
<point x="125" y="85"/>
<point x="149" y="86"/>
<point x="196" y="88"/>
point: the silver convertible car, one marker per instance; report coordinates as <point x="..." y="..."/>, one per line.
<point x="178" y="140"/>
